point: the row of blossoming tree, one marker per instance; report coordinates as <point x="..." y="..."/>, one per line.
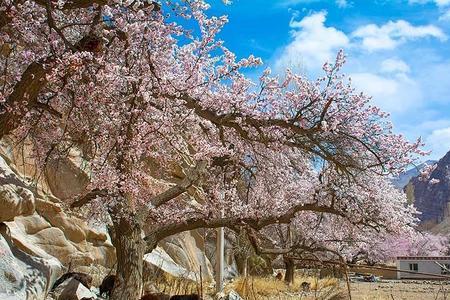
<point x="175" y="137"/>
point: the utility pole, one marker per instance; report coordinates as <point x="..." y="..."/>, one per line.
<point x="220" y="245"/>
<point x="220" y="251"/>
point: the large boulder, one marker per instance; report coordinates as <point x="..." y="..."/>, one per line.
<point x="72" y="289"/>
<point x="158" y="260"/>
<point x="23" y="276"/>
<point x="15" y="201"/>
<point x="41" y="226"/>
<point x="35" y="235"/>
<point x="187" y="251"/>
<point x="15" y="198"/>
<point x="67" y="177"/>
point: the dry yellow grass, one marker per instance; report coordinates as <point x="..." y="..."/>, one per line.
<point x="270" y="288"/>
<point x="176" y="285"/>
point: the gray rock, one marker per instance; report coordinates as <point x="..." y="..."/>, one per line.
<point x="72" y="289"/>
<point x="432" y="199"/>
<point x="232" y="295"/>
<point x="159" y="259"/>
<point x="23" y="276"/>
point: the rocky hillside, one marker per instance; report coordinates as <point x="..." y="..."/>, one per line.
<point x="432" y="198"/>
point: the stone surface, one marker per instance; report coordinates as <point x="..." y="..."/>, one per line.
<point x="15" y="197"/>
<point x="232" y="295"/>
<point x="35" y="236"/>
<point x="159" y="259"/>
<point x="42" y="231"/>
<point x="23" y="276"/>
<point x="185" y="250"/>
<point x="72" y="289"/>
<point x="42" y="228"/>
<point x="432" y="199"/>
<point x="67" y="177"/>
<point x="15" y="201"/>
<point x="230" y="267"/>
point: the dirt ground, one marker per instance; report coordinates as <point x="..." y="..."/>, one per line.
<point x="401" y="290"/>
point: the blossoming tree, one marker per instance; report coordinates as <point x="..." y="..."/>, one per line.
<point x="172" y="133"/>
<point x="373" y="213"/>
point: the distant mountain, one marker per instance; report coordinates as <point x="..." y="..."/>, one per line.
<point x="401" y="181"/>
<point x="432" y="199"/>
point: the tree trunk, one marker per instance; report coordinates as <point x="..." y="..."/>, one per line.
<point x="130" y="248"/>
<point x="290" y="270"/>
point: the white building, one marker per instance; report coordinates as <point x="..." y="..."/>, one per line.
<point x="423" y="267"/>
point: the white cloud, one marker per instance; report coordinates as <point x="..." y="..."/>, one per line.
<point x="392" y="34"/>
<point x="439" y="141"/>
<point x="445" y="16"/>
<point x="394" y="65"/>
<point x="395" y="94"/>
<point x="395" y="78"/>
<point x="339" y="3"/>
<point x="440" y="3"/>
<point x="313" y="43"/>
<point x="342" y="3"/>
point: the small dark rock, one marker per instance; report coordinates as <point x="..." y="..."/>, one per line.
<point x="107" y="285"/>
<point x="185" y="297"/>
<point x="84" y="279"/>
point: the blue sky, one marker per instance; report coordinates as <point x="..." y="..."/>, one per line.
<point x="398" y="51"/>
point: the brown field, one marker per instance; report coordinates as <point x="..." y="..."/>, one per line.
<point x="269" y="288"/>
<point x="401" y="290"/>
<point x="334" y="289"/>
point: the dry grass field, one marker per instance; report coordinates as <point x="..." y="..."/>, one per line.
<point x="400" y="290"/>
<point x="268" y="288"/>
<point x="254" y="288"/>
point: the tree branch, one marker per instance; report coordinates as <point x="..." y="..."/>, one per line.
<point x="27" y="88"/>
<point x="89" y="197"/>
<point x="170" y="194"/>
<point x="76" y="4"/>
<point x="164" y="231"/>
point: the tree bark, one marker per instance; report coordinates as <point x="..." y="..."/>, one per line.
<point x="26" y="89"/>
<point x="130" y="249"/>
<point x="290" y="270"/>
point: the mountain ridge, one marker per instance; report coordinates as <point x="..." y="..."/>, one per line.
<point x="432" y="199"/>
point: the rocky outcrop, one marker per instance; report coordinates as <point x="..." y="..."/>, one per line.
<point x="37" y="236"/>
<point x="67" y="177"/>
<point x="186" y="250"/>
<point x="15" y="201"/>
<point x="158" y="259"/>
<point x="41" y="228"/>
<point x="72" y="289"/>
<point x="23" y="276"/>
<point x="431" y="198"/>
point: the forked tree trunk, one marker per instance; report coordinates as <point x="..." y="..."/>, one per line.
<point x="130" y="248"/>
<point x="290" y="270"/>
